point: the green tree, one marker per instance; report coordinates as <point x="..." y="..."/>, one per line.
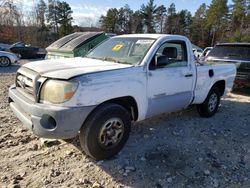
<point x="64" y="14"/>
<point x="148" y="13"/>
<point x="248" y="15"/>
<point x="238" y="14"/>
<point x="52" y="16"/>
<point x="238" y="20"/>
<point x="137" y="26"/>
<point x="217" y="18"/>
<point x="198" y="27"/>
<point x="41" y="8"/>
<point x="184" y="19"/>
<point x="109" y="22"/>
<point x="160" y="16"/>
<point x="124" y="21"/>
<point x="248" y="22"/>
<point x="209" y="25"/>
<point x="170" y="25"/>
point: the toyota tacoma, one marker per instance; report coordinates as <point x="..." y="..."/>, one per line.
<point x="125" y="79"/>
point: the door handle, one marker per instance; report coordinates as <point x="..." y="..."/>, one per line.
<point x="188" y="75"/>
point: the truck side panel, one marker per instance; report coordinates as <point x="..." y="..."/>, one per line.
<point x="206" y="80"/>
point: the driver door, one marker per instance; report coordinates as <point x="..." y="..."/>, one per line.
<point x="170" y="87"/>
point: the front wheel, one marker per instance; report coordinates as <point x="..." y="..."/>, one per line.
<point x="105" y="132"/>
<point x="210" y="106"/>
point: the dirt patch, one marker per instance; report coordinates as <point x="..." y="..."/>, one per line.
<point x="172" y="150"/>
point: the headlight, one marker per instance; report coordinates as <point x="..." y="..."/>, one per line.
<point x="56" y="91"/>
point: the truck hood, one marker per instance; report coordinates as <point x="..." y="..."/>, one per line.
<point x="71" y="67"/>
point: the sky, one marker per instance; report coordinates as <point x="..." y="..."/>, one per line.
<point x="88" y="12"/>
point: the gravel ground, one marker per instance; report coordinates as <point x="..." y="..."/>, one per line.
<point x="172" y="150"/>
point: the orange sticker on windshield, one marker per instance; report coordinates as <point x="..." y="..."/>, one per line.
<point x="117" y="47"/>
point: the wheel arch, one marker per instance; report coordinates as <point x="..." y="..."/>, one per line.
<point x="221" y="85"/>
<point x="127" y="102"/>
<point x="6" y="57"/>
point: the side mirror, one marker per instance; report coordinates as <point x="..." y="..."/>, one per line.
<point x="161" y="61"/>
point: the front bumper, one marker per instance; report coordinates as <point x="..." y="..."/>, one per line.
<point x="14" y="59"/>
<point x="34" y="116"/>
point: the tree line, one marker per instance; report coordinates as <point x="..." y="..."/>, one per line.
<point x="210" y="24"/>
<point x="41" y="25"/>
<point x="46" y="22"/>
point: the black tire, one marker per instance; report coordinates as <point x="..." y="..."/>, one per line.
<point x="206" y="109"/>
<point x="94" y="134"/>
<point x="4" y="61"/>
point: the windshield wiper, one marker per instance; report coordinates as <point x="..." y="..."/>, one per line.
<point x="111" y="59"/>
<point x="115" y="60"/>
<point x="93" y="57"/>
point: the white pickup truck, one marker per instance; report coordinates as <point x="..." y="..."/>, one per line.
<point x="125" y="79"/>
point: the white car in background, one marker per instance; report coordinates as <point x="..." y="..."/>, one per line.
<point x="197" y="52"/>
<point x="7" y="58"/>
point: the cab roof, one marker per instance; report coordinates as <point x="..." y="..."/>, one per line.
<point x="152" y="36"/>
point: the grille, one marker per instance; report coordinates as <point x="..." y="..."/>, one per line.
<point x="26" y="82"/>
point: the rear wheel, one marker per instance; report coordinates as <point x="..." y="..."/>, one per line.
<point x="105" y="132"/>
<point x="210" y="106"/>
<point x="4" y="61"/>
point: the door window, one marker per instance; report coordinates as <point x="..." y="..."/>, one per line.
<point x="174" y="53"/>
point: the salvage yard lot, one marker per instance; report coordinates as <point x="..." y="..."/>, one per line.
<point x="172" y="150"/>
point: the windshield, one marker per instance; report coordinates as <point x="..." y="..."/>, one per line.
<point x="122" y="50"/>
<point x="18" y="44"/>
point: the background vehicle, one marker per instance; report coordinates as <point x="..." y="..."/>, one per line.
<point x="197" y="52"/>
<point x="2" y="48"/>
<point x="233" y="53"/>
<point x="7" y="58"/>
<point x="25" y="51"/>
<point x="126" y="78"/>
